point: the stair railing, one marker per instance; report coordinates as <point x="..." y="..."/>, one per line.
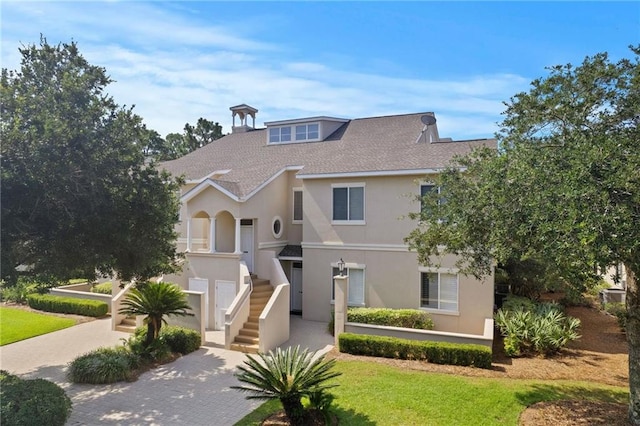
<point x="238" y="312"/>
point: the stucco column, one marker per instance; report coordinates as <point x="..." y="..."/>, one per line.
<point x="340" y="300"/>
<point x="188" y="234"/>
<point x="238" y="249"/>
<point x="212" y="235"/>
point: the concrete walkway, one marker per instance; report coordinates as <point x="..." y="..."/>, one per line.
<point x="193" y="390"/>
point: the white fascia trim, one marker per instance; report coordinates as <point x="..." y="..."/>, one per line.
<point x="305" y="120"/>
<point x="352" y="246"/>
<point x="204" y="185"/>
<point x="268" y="181"/>
<point x="272" y="244"/>
<point x="370" y="174"/>
<point x="210" y="175"/>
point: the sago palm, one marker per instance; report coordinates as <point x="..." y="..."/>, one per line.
<point x="287" y="375"/>
<point x="155" y="301"/>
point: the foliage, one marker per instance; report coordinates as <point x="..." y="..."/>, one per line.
<point x="176" y="145"/>
<point x="103" y="288"/>
<point x="406" y="318"/>
<point x="619" y="311"/>
<point x="434" y="352"/>
<point x="287" y="375"/>
<point x="18" y="324"/>
<point x="543" y="329"/>
<point x="155" y="301"/>
<point x="32" y="402"/>
<point x="67" y="305"/>
<point x="18" y="292"/>
<point x="512" y="303"/>
<point x="103" y="365"/>
<point x="77" y="195"/>
<point x="181" y="340"/>
<point x="563" y="186"/>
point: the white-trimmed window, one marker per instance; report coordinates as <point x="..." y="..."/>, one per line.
<point x="280" y="134"/>
<point x="297" y="205"/>
<point x="307" y="132"/>
<point x="356" y="284"/>
<point x="427" y="189"/>
<point x="439" y="291"/>
<point x="348" y="203"/>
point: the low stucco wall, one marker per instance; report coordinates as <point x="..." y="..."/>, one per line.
<point x="239" y="310"/>
<point x="196" y="301"/>
<point x="486" y="339"/>
<point x="66" y="291"/>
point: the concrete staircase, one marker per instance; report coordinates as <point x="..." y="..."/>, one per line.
<point x="127" y="325"/>
<point x="249" y="336"/>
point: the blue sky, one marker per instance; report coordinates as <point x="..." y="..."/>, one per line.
<point x="178" y="61"/>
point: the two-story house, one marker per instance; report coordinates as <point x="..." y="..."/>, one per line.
<point x="301" y="194"/>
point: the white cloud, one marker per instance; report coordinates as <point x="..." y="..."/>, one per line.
<point x="176" y="69"/>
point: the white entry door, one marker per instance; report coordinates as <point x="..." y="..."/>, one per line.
<point x="246" y="245"/>
<point x="296" y="287"/>
<point x="202" y="284"/>
<point x="225" y="293"/>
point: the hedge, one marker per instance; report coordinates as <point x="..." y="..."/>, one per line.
<point x="32" y="402"/>
<point x="406" y="318"/>
<point x="67" y="305"/>
<point x="434" y="352"/>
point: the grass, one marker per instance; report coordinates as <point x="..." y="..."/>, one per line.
<point x="18" y="324"/>
<point x="371" y="393"/>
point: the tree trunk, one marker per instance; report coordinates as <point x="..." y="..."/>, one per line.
<point x="151" y="333"/>
<point x="294" y="410"/>
<point x="633" y="337"/>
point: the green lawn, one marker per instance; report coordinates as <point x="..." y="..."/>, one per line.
<point x="376" y="394"/>
<point x="17" y="324"/>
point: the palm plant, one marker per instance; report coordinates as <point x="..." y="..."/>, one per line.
<point x="155" y="301"/>
<point x="287" y="375"/>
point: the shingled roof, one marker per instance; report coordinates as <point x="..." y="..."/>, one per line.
<point x="365" y="145"/>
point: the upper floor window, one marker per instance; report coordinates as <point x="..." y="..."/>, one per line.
<point x="348" y="203"/>
<point x="428" y="189"/>
<point x="307" y="132"/>
<point x="280" y="134"/>
<point x="297" y="206"/>
<point x="439" y="290"/>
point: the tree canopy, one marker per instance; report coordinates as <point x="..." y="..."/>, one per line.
<point x="563" y="186"/>
<point x="175" y="145"/>
<point x="77" y="195"/>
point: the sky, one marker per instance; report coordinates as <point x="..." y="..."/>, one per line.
<point x="179" y="61"/>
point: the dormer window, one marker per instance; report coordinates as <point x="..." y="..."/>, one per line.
<point x="305" y="132"/>
<point x="280" y="134"/>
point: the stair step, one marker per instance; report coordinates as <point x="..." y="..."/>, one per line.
<point x="246" y="348"/>
<point x="251" y="325"/>
<point x="128" y="321"/>
<point x="246" y="339"/>
<point x="126" y="328"/>
<point x="249" y="332"/>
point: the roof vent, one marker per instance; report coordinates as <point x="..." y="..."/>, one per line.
<point x="243" y="111"/>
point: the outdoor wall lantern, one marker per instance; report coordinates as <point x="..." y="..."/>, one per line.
<point x="341" y="267"/>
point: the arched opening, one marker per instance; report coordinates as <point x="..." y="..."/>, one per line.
<point x="201" y="231"/>
<point x="225" y="234"/>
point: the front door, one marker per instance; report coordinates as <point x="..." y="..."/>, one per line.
<point x="202" y="284"/>
<point x="296" y="287"/>
<point x="246" y="245"/>
<point x="225" y="293"/>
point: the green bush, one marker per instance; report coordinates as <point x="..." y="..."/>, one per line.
<point x="103" y="365"/>
<point x="157" y="351"/>
<point x="619" y="311"/>
<point x="406" y="318"/>
<point x="67" y="305"/>
<point x="102" y="288"/>
<point x="32" y="402"/>
<point x="513" y="302"/>
<point x="434" y="352"/>
<point x="543" y="330"/>
<point x="18" y="292"/>
<point x="180" y="340"/>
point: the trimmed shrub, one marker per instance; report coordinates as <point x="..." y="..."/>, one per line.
<point x="102" y="288"/>
<point x="619" y="311"/>
<point x="434" y="352"/>
<point x="103" y="365"/>
<point x="32" y="402"/>
<point x="405" y="318"/>
<point x="67" y="305"/>
<point x="180" y="340"/>
<point x="543" y="330"/>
